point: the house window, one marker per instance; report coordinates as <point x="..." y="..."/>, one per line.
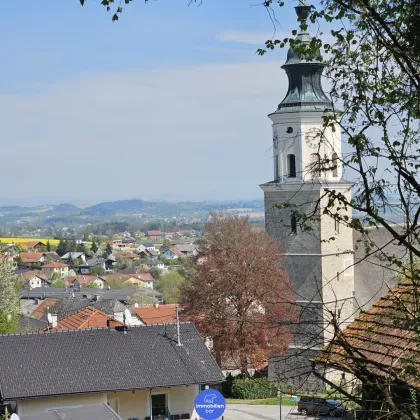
<point x="276" y="167"/>
<point x="294" y="225"/>
<point x="159" y="405"/>
<point x="291" y="166"/>
<point x="335" y="165"/>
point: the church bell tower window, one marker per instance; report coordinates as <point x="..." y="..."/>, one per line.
<point x="291" y="166"/>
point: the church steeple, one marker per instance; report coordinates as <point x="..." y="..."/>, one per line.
<point x="305" y="90"/>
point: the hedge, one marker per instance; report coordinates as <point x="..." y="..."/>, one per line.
<point x="253" y="388"/>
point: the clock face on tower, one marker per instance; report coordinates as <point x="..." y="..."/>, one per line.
<point x="313" y="137"/>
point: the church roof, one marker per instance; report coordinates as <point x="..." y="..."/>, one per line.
<point x="305" y="91"/>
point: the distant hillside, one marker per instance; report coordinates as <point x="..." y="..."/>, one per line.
<point x="123" y="210"/>
<point x="165" y="207"/>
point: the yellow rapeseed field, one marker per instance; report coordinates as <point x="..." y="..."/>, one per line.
<point x="28" y="239"/>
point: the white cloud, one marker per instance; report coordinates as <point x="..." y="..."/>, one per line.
<point x="252" y="38"/>
<point x="191" y="132"/>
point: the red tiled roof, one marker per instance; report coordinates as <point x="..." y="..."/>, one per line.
<point x="155" y="233"/>
<point x="176" y="251"/>
<point x="163" y="314"/>
<point x="81" y="279"/>
<point x="381" y="338"/>
<point x="42" y="308"/>
<point x="29" y="274"/>
<point x="32" y="244"/>
<point x="54" y="265"/>
<point x="145" y="276"/>
<point x="31" y="257"/>
<point x="126" y="255"/>
<point x="85" y="318"/>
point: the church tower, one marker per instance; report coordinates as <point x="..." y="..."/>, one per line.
<point x="306" y="163"/>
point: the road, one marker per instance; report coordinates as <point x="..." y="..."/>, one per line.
<point x="263" y="412"/>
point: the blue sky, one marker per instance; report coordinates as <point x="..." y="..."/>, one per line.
<point x="169" y="102"/>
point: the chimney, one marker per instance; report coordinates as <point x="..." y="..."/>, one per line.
<point x="54" y="320"/>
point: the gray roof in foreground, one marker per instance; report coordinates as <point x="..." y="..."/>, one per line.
<point x="89" y="412"/>
<point x="103" y="359"/>
<point x="70" y="305"/>
<point x="52" y="292"/>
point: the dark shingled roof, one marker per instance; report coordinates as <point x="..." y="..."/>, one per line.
<point x="117" y="294"/>
<point x="89" y="412"/>
<point x="69" y="305"/>
<point x="28" y="324"/>
<point x="103" y="360"/>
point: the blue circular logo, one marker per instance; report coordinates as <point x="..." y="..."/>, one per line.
<point x="210" y="404"/>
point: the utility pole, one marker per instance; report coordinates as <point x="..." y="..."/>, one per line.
<point x="281" y="402"/>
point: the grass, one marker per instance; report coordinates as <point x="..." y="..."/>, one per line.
<point x="264" y="401"/>
<point x="18" y="240"/>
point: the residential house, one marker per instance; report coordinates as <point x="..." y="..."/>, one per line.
<point x="188" y="250"/>
<point x="52" y="255"/>
<point x="155" y="235"/>
<point x="77" y="282"/>
<point x="128" y="242"/>
<point x="79" y="257"/>
<point x="127" y="254"/>
<point x="55" y="268"/>
<point x="105" y="263"/>
<point x="140" y="372"/>
<point x="32" y="279"/>
<point x="156" y="314"/>
<point x="88" y="317"/>
<point x="146" y="245"/>
<point x="173" y="254"/>
<point x="144" y="253"/>
<point x="30" y="258"/>
<point x="89" y="412"/>
<point x="34" y="245"/>
<point x="140" y="279"/>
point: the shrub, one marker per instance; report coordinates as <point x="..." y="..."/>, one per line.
<point x="253" y="388"/>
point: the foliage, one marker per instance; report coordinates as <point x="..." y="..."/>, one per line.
<point x="94" y="248"/>
<point x="140" y="298"/>
<point x="252" y="388"/>
<point x="98" y="270"/>
<point x="107" y="251"/>
<point x="170" y="285"/>
<point x="239" y="294"/>
<point x="122" y="262"/>
<point x="166" y="243"/>
<point x="58" y="283"/>
<point x="9" y="299"/>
